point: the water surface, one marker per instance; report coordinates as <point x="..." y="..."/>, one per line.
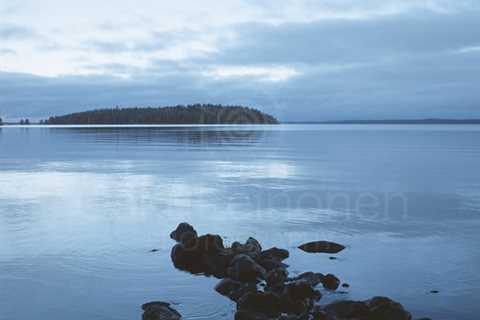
<point x="81" y="207"/>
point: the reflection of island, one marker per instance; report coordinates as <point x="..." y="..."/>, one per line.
<point x="192" y="114"/>
<point x="163" y="135"/>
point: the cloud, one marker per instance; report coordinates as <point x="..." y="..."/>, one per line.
<point x="299" y="59"/>
<point x="15" y="32"/>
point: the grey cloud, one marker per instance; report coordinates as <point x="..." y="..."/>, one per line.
<point x="15" y="32"/>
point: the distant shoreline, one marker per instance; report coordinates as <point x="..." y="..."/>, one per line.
<point x="399" y="121"/>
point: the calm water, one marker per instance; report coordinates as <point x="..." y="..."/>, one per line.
<point x="80" y="209"/>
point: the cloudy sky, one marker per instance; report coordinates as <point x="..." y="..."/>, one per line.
<point x="298" y="59"/>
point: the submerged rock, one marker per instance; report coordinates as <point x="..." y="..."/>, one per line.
<point x="330" y="282"/>
<point x="313" y="278"/>
<point x="244" y="268"/>
<point x="234" y="289"/>
<point x="322" y="246"/>
<point x="158" y="310"/>
<point x="383" y="308"/>
<point x="263" y="303"/>
<point x="183" y="233"/>
<point x="377" y="308"/>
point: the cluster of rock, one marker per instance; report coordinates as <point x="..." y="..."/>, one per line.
<point x="258" y="281"/>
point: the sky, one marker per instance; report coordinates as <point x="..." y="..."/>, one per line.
<point x="296" y="59"/>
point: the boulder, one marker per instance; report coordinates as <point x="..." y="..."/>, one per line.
<point x="252" y="248"/>
<point x="159" y="310"/>
<point x="276" y="277"/>
<point x="184" y="233"/>
<point x="275" y="254"/>
<point x="330" y="282"/>
<point x="347" y="310"/>
<point x="322" y="246"/>
<point x="234" y="289"/>
<point x="313" y="278"/>
<point x="382" y="308"/>
<point x="301" y="290"/>
<point x="266" y="303"/>
<point x="209" y="244"/>
<point x="244" y="268"/>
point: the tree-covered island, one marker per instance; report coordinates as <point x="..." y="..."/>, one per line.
<point x="190" y="114"/>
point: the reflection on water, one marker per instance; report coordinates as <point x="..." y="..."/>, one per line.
<point x="80" y="209"/>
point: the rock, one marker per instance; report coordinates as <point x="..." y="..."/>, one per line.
<point x="322" y="246"/>
<point x="330" y="282"/>
<point x="159" y="310"/>
<point x="252" y="248"/>
<point x="209" y="244"/>
<point x="266" y="303"/>
<point x="183" y="233"/>
<point x="312" y="278"/>
<point x="434" y="291"/>
<point x="301" y="290"/>
<point x="347" y="310"/>
<point x="244" y="268"/>
<point x="271" y="264"/>
<point x="250" y="315"/>
<point x="275" y="254"/>
<point x="154" y="250"/>
<point x="234" y="289"/>
<point x="345" y="285"/>
<point x="276" y="277"/>
<point x="186" y="259"/>
<point x="382" y="308"/>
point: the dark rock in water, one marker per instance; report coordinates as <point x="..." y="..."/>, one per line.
<point x="312" y="278"/>
<point x="154" y="250"/>
<point x="275" y="254"/>
<point x="271" y="264"/>
<point x="266" y="303"/>
<point x="330" y="282"/>
<point x="301" y="290"/>
<point x="185" y="259"/>
<point x="345" y="285"/>
<point x="244" y="268"/>
<point x="276" y="277"/>
<point x="434" y="291"/>
<point x="347" y="310"/>
<point x="322" y="246"/>
<point x="209" y="244"/>
<point x="159" y="310"/>
<point x="251" y="315"/>
<point x="382" y="308"/>
<point x="184" y="233"/>
<point x="252" y="248"/>
<point x="332" y="258"/>
<point x="234" y="289"/>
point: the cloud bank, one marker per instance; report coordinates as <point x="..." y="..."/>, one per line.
<point x="299" y="60"/>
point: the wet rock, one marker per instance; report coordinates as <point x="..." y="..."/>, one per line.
<point x="154" y="250"/>
<point x="321" y="246"/>
<point x="347" y="310"/>
<point x="264" y="303"/>
<point x="251" y="315"/>
<point x="313" y="278"/>
<point x="301" y="290"/>
<point x="345" y="285"/>
<point x="244" y="268"/>
<point x="330" y="282"/>
<point x="275" y="254"/>
<point x="276" y="277"/>
<point x="252" y="248"/>
<point x="186" y="259"/>
<point x="159" y="310"/>
<point x="184" y="233"/>
<point x="271" y="264"/>
<point x="434" y="291"/>
<point x="383" y="308"/>
<point x="234" y="289"/>
<point x="209" y="244"/>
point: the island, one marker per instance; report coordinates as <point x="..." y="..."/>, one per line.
<point x="180" y="114"/>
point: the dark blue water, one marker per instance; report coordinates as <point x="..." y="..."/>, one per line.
<point x="80" y="209"/>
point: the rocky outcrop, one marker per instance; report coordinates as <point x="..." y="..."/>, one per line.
<point x="322" y="246"/>
<point x="159" y="310"/>
<point x="258" y="281"/>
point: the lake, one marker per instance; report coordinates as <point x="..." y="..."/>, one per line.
<point x="81" y="208"/>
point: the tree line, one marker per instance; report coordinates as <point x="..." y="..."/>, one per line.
<point x="180" y="114"/>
